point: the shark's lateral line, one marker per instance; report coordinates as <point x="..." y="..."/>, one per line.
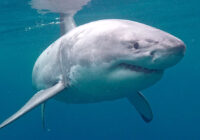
<point x="102" y="61"/>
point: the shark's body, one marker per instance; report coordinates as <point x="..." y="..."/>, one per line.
<point x="101" y="61"/>
<point x="87" y="57"/>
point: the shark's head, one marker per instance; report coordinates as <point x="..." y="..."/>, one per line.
<point x="141" y="53"/>
<point x="149" y="48"/>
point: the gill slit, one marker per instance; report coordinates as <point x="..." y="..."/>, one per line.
<point x="62" y="78"/>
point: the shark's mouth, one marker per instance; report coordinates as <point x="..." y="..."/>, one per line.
<point x="138" y="68"/>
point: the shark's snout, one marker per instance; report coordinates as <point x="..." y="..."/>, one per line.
<point x="168" y="55"/>
<point x="175" y="50"/>
<point x="179" y="49"/>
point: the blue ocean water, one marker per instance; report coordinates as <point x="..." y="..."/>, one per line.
<point x="25" y="33"/>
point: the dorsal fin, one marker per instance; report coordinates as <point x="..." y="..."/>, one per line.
<point x="66" y="23"/>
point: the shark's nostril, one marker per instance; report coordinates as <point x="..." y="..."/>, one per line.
<point x="180" y="49"/>
<point x="152" y="53"/>
<point x="183" y="47"/>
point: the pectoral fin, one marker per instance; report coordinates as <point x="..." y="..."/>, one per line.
<point x="141" y="105"/>
<point x="37" y="99"/>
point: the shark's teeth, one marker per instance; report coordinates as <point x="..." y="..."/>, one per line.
<point x="138" y="68"/>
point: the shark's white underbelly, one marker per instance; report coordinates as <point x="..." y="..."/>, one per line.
<point x="89" y="85"/>
<point x="75" y="96"/>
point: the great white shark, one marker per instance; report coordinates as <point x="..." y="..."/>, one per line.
<point x="103" y="60"/>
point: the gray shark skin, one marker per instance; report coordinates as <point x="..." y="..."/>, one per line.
<point x="94" y="62"/>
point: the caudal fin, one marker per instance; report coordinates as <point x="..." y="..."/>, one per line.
<point x="37" y="99"/>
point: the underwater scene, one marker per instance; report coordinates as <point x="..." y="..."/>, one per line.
<point x="99" y="70"/>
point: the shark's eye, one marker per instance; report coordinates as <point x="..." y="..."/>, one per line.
<point x="134" y="45"/>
